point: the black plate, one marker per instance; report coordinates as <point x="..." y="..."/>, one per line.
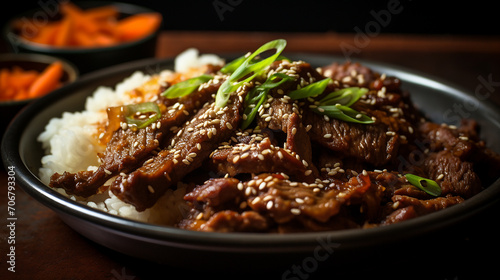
<point x="181" y="247"/>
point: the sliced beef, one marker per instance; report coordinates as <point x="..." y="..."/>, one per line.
<point x="216" y="193"/>
<point x="278" y="201"/>
<point x="368" y="143"/>
<point x="232" y="221"/>
<point x="128" y="148"/>
<point x="350" y="74"/>
<point x="257" y="153"/>
<point x="410" y="207"/>
<point x="256" y="157"/>
<point x="463" y="142"/>
<point x="193" y="143"/>
<point x="458" y="177"/>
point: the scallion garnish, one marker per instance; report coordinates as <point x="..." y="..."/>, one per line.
<point x="427" y="185"/>
<point x="343" y="113"/>
<point x="311" y="90"/>
<point x="258" y="95"/>
<point x="345" y="96"/>
<point x="142" y="114"/>
<point x="335" y="104"/>
<point x="185" y="87"/>
<point x="247" y="70"/>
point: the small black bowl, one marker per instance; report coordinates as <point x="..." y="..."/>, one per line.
<point x="28" y="61"/>
<point x="87" y="59"/>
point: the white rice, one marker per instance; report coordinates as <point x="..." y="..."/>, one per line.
<point x="71" y="143"/>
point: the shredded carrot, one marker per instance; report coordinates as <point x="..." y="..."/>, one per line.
<point x="138" y="26"/>
<point x="92" y="27"/>
<point x="17" y="83"/>
<point x="47" y="80"/>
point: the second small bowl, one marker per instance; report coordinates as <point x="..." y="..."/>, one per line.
<point x="89" y="59"/>
<point x="29" y="61"/>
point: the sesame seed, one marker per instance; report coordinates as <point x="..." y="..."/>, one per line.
<point x="440" y="177"/>
<point x="262" y="185"/>
<point x="308" y="172"/>
<point x="186" y="162"/>
<point x="299" y="200"/>
<point x="269" y="204"/>
<point x="328" y="135"/>
<point x="235" y="159"/>
<point x="260" y="156"/>
<point x="295" y="211"/>
<point x="395" y="205"/>
<point x="229" y="126"/>
<point x="199" y="216"/>
<point x="151" y="189"/>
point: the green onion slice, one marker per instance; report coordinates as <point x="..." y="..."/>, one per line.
<point x="310" y="90"/>
<point x="247" y="70"/>
<point x="233" y="65"/>
<point x="141" y="114"/>
<point x="258" y="95"/>
<point x="427" y="185"/>
<point x="343" y="113"/>
<point x="186" y="87"/>
<point x="345" y="96"/>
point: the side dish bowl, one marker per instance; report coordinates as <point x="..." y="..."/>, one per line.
<point x="92" y="58"/>
<point x="174" y="246"/>
<point x="38" y="62"/>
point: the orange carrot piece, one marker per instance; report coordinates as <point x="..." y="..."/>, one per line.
<point x="47" y="81"/>
<point x="104" y="40"/>
<point x="78" y="16"/>
<point x="64" y="32"/>
<point x="100" y="13"/>
<point x="138" y="26"/>
<point x="82" y="39"/>
<point x="4" y="79"/>
<point x="46" y="34"/>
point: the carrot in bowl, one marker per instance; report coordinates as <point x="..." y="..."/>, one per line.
<point x="47" y="81"/>
<point x="18" y="84"/>
<point x="92" y="27"/>
<point x="138" y="26"/>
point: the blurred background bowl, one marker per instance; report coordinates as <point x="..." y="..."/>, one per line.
<point x="87" y="59"/>
<point x="28" y="61"/>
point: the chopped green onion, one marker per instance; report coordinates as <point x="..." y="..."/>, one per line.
<point x="248" y="70"/>
<point x="141" y="114"/>
<point x="185" y="87"/>
<point x="427" y="185"/>
<point x="310" y="90"/>
<point x="345" y="96"/>
<point x="233" y="65"/>
<point x="343" y="113"/>
<point x="258" y="95"/>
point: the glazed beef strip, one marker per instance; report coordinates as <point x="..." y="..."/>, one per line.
<point x="192" y="144"/>
<point x="129" y="148"/>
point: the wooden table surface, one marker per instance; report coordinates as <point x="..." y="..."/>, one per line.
<point x="46" y="248"/>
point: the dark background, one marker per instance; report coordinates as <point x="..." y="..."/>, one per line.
<point x="415" y="17"/>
